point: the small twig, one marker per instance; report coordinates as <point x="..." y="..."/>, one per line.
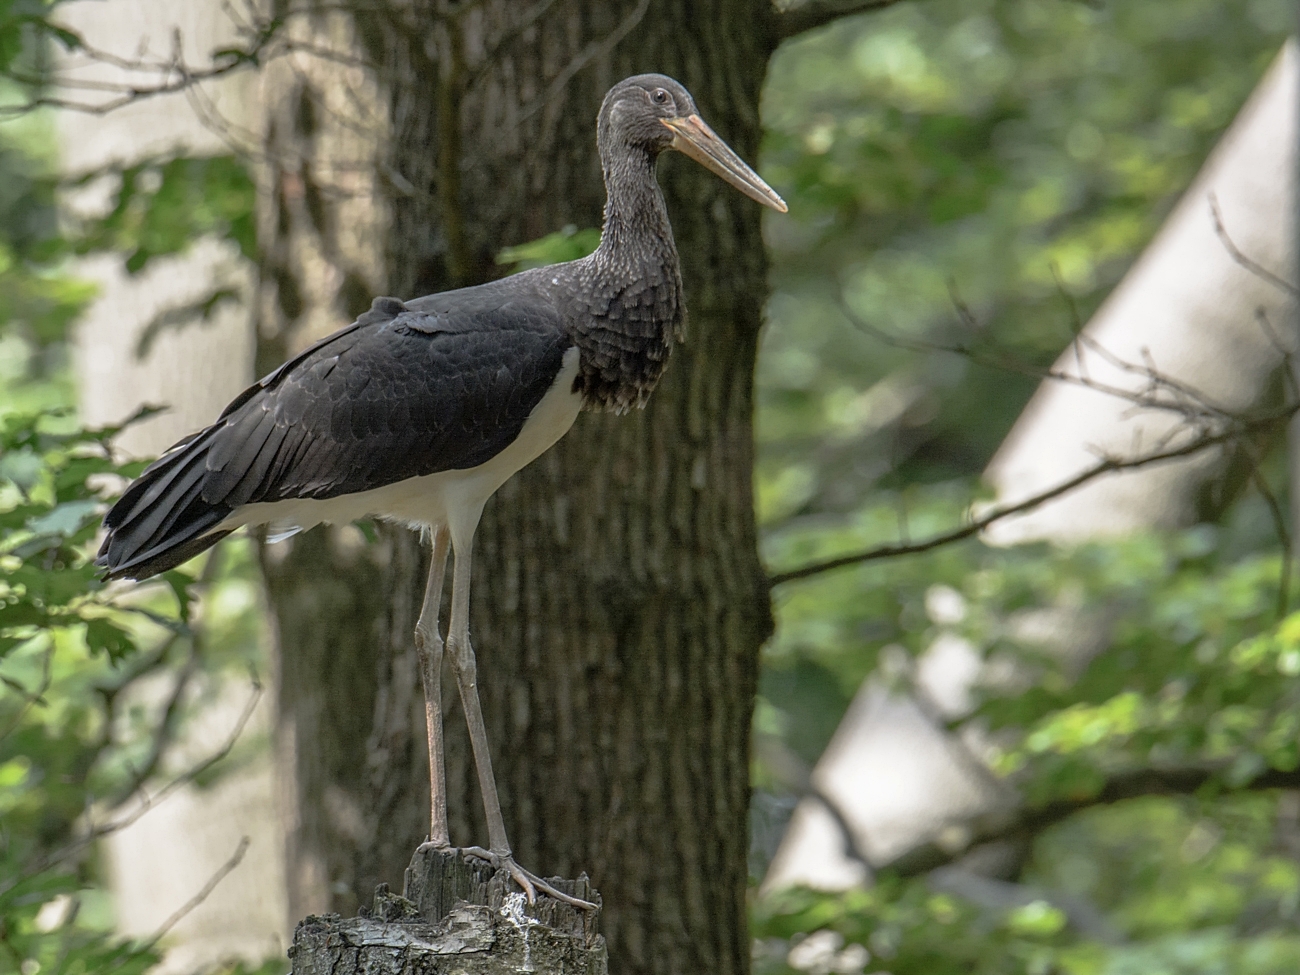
<point x="1104" y="466"/>
<point x="965" y="755"/>
<point x="263" y="38"/>
<point x="1283" y="536"/>
<point x="1071" y="306"/>
<point x="904" y="522"/>
<point x="1030" y="821"/>
<point x="1253" y="266"/>
<point x="1143" y="400"/>
<point x="793" y="774"/>
<point x="1287" y="354"/>
<point x="38" y="695"/>
<point x="584" y="57"/>
<point x="164" y="731"/>
<point x="55" y="857"/>
<point x="798" y="18"/>
<point x="508" y="37"/>
<point x="169" y="719"/>
<point x="205" y="891"/>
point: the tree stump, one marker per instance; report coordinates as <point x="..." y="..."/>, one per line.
<point x="457" y="916"/>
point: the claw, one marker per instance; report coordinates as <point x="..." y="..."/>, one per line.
<point x="530" y="883"/>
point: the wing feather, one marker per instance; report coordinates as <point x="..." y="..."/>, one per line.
<point x="444" y="383"/>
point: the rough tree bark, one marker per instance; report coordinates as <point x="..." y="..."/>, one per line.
<point x="619" y="603"/>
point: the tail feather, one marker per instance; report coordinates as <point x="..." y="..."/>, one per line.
<point x="162" y="519"/>
<point x="147" y="517"/>
<point x="256" y="461"/>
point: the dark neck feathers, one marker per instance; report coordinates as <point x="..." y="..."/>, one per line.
<point x="635" y="216"/>
<point x="631" y="288"/>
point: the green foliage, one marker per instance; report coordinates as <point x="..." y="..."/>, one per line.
<point x="37" y="303"/>
<point x="1179" y="662"/>
<point x="907" y="928"/>
<point x="1010" y="155"/>
<point x="81" y="664"/>
<point x="78" y="737"/>
<point x="1014" y="154"/>
<point x="161" y="207"/>
<point x="1191" y="673"/>
<point x="1010" y="158"/>
<point x="567" y="244"/>
<point x="1194" y="673"/>
<point x="23" y="25"/>
<point x="64" y="651"/>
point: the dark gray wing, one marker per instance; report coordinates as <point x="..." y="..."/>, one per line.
<point x="418" y="393"/>
<point x="444" y="383"/>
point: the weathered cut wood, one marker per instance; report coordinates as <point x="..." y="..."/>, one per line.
<point x="436" y="882"/>
<point x="458" y="917"/>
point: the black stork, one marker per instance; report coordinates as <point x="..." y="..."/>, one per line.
<point x="418" y="411"/>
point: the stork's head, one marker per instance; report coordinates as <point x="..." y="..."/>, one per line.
<point x="652" y="112"/>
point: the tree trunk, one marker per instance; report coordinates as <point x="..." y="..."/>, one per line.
<point x="619" y="603"/>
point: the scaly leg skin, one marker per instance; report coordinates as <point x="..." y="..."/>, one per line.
<point x="530" y="882"/>
<point x="428" y="648"/>
<point x="462" y="661"/>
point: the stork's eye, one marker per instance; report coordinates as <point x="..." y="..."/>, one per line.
<point x="660" y="96"/>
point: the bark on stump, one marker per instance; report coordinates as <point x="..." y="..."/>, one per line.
<point x="456" y="917"/>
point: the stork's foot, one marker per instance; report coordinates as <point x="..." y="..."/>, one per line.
<point x="430" y="846"/>
<point x="530" y="883"/>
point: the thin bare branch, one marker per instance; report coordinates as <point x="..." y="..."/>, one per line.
<point x="1028" y="822"/>
<point x="584" y="57"/>
<point x="1251" y="265"/>
<point x="1279" y="528"/>
<point x="261" y="39"/>
<point x="502" y="43"/>
<point x="810" y="14"/>
<point x="205" y="891"/>
<point x="147" y="802"/>
<point x="163" y="732"/>
<point x="958" y="747"/>
<point x="37" y="695"/>
<point x="1160" y="391"/>
<point x="1104" y="466"/>
<point x="794" y="775"/>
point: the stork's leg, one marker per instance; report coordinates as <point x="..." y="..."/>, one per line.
<point x="428" y="647"/>
<point x="462" y="661"/>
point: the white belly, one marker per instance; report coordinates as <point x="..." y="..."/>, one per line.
<point x="452" y="498"/>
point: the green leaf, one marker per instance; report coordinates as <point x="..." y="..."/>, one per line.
<point x="65" y="519"/>
<point x="179" y="583"/>
<point x="103" y="636"/>
<point x="567" y="244"/>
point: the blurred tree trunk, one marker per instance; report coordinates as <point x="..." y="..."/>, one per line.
<point x="619" y="604"/>
<point x="193" y="367"/>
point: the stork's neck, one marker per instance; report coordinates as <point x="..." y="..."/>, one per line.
<point x="636" y="230"/>
<point x="631" y="291"/>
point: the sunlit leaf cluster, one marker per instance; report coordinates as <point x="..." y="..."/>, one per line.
<point x="161" y="207"/>
<point x="96" y="683"/>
